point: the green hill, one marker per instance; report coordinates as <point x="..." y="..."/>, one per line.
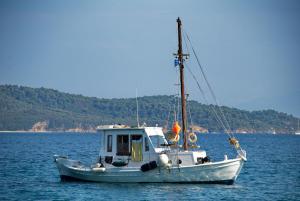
<point x="21" y="107"/>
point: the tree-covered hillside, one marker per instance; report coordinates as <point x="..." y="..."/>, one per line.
<point x="21" y="107"/>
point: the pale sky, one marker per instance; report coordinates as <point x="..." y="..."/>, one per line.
<point x="250" y="50"/>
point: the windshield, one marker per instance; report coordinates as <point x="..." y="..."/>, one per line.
<point x="157" y="140"/>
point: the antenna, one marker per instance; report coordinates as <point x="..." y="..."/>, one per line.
<point x="137" y="107"/>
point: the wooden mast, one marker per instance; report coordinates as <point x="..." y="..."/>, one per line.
<point x="183" y="101"/>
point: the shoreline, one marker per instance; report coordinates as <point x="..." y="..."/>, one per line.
<point x="40" y="132"/>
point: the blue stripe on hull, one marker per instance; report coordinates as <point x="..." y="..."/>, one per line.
<point x="227" y="182"/>
<point x="70" y="179"/>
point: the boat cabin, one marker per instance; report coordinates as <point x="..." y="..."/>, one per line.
<point x="132" y="147"/>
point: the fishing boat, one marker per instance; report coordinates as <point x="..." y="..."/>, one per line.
<point x="144" y="154"/>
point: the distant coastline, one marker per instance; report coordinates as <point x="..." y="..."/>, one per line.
<point x="41" y="132"/>
<point x="212" y="133"/>
<point x="39" y="109"/>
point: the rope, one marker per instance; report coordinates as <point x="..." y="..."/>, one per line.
<point x="210" y="107"/>
<point x="168" y="117"/>
<point x="209" y="87"/>
<point x="175" y="113"/>
<point x="227" y="131"/>
<point x="190" y="114"/>
<point x="186" y="45"/>
<point x="219" y="119"/>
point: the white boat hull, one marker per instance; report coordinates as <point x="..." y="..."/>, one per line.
<point x="224" y="172"/>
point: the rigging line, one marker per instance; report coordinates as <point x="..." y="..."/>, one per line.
<point x="212" y="109"/>
<point x="186" y="45"/>
<point x="176" y="99"/>
<point x="137" y="108"/>
<point x="231" y="135"/>
<point x="168" y="117"/>
<point x="175" y="113"/>
<point x="208" y="84"/>
<point x="203" y="94"/>
<point x="190" y="113"/>
<point x="229" y="132"/>
<point x="188" y="53"/>
<point x="188" y="110"/>
<point x="247" y="119"/>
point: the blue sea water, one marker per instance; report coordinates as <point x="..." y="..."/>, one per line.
<point x="27" y="171"/>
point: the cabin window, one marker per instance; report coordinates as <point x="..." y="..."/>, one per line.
<point x="146" y="144"/>
<point x="123" y="145"/>
<point x="157" y="140"/>
<point x="136" y="137"/>
<point x="109" y="143"/>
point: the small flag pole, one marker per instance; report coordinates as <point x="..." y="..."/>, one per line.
<point x="137" y="108"/>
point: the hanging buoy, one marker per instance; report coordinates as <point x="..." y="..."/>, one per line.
<point x="169" y="135"/>
<point x="192" y="137"/>
<point x="176" y="128"/>
<point x="172" y="137"/>
<point x="234" y="142"/>
<point x="175" y="139"/>
<point x="237" y="145"/>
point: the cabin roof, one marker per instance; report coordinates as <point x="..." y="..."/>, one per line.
<point x="149" y="130"/>
<point x="111" y="129"/>
<point x="126" y="128"/>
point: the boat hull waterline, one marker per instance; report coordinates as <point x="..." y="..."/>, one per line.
<point x="223" y="172"/>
